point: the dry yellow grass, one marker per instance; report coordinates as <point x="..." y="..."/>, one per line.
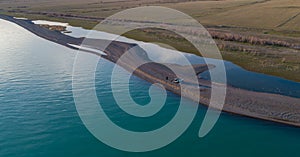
<point x="205" y="8"/>
<point x="263" y="14"/>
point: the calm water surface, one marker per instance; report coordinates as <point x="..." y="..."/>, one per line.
<point x="38" y="115"/>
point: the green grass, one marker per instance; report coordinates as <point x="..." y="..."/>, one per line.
<point x="266" y="62"/>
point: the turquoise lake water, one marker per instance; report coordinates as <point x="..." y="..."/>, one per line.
<point x="38" y="115"/>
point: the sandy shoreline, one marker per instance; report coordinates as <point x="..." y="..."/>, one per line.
<point x="266" y="106"/>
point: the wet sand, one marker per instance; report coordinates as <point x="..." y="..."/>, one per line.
<point x="266" y="106"/>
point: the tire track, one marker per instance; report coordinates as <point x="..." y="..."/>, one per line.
<point x="288" y="20"/>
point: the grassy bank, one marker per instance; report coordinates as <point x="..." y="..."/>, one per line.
<point x="273" y="60"/>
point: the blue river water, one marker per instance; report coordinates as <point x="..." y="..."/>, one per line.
<point x="38" y="115"/>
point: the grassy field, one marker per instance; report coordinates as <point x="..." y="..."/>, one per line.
<point x="271" y="19"/>
<point x="262" y="14"/>
<point x="273" y="60"/>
